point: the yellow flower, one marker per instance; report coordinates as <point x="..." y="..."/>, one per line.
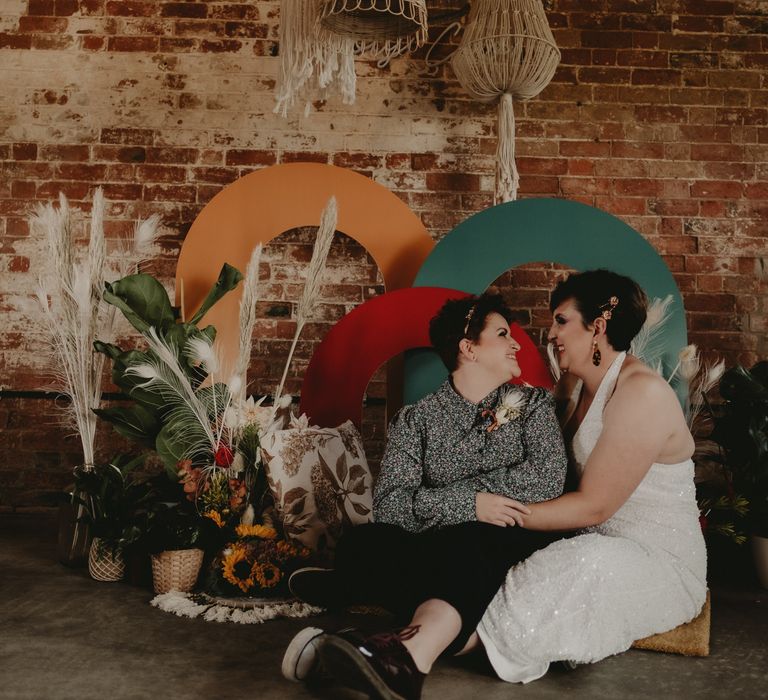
<point x="267" y="575"/>
<point x="262" y="531"/>
<point x="213" y="515"/>
<point x="236" y="569"/>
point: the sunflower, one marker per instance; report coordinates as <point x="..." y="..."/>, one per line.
<point x="267" y="575"/>
<point x="237" y="569"/>
<point x="262" y="531"/>
<point x="214" y="515"/>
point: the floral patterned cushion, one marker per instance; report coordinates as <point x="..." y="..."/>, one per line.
<point x="320" y="482"/>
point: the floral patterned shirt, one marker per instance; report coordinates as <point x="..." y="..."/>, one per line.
<point x="440" y="454"/>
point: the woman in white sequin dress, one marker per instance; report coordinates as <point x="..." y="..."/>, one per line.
<point x="638" y="566"/>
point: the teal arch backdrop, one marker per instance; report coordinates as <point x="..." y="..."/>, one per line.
<point x="480" y="249"/>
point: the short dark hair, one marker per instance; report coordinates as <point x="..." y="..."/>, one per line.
<point x="591" y="292"/>
<point x="463" y="318"/>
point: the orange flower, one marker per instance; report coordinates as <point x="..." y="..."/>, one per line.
<point x="190" y="478"/>
<point x="237" y="492"/>
<point x="215" y="516"/>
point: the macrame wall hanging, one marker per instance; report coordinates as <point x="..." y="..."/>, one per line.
<point x="507" y="51"/>
<point x="381" y="29"/>
<point x="313" y="62"/>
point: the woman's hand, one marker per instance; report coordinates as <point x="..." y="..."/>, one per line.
<point x="499" y="510"/>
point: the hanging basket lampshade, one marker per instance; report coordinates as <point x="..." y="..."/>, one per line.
<point x="507" y="51"/>
<point x="380" y="28"/>
<point x="311" y="66"/>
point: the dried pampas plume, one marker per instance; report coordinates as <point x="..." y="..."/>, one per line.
<point x="311" y="292"/>
<point x="69" y="291"/>
<point x="248" y="316"/>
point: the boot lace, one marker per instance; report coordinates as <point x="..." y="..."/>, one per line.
<point x="394" y="637"/>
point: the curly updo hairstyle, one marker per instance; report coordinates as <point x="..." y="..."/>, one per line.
<point x="463" y="318"/>
<point x="591" y="292"/>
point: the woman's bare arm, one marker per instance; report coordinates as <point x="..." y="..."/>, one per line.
<point x="639" y="420"/>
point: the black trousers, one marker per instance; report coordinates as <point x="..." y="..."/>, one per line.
<point x="464" y="565"/>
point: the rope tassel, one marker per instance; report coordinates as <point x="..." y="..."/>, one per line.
<point x="507" y="178"/>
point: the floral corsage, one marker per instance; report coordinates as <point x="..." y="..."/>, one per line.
<point x="510" y="408"/>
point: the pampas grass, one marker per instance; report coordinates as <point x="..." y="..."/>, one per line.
<point x="311" y="293"/>
<point x="69" y="291"/>
<point x="248" y="316"/>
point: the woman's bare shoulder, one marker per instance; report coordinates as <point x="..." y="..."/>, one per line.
<point x="639" y="382"/>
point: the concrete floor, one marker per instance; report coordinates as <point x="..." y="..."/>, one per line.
<point x="63" y="635"/>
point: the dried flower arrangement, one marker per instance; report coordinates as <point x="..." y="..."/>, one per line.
<point x="195" y="415"/>
<point x="69" y="291"/>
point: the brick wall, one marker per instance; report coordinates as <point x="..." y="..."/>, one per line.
<point x="657" y="114"/>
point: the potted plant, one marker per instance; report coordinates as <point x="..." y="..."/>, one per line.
<point x="174" y="535"/>
<point x="111" y="499"/>
<point x="742" y="432"/>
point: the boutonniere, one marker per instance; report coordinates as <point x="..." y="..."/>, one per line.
<point x="510" y="408"/>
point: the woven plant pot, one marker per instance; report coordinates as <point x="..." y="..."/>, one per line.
<point x="176" y="570"/>
<point x="103" y="565"/>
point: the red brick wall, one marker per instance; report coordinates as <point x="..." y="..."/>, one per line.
<point x="657" y="114"/>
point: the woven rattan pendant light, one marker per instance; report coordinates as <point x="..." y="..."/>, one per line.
<point x="312" y="63"/>
<point x="380" y="28"/>
<point x="507" y="51"/>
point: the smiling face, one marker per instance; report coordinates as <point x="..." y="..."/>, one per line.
<point x="496" y="350"/>
<point x="572" y="340"/>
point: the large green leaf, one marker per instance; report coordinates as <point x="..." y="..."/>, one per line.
<point x="108" y="349"/>
<point x="143" y="301"/>
<point x="170" y="447"/>
<point x="129" y="384"/>
<point x="228" y="279"/>
<point x="134" y="422"/>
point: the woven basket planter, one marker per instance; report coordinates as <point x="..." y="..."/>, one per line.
<point x="176" y="570"/>
<point x="103" y="565"/>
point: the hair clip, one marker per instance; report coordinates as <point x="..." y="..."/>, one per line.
<point x="468" y="318"/>
<point x="612" y="303"/>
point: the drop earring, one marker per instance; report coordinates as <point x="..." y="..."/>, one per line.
<point x="596" y="356"/>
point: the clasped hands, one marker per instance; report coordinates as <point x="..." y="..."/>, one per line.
<point x="500" y="510"/>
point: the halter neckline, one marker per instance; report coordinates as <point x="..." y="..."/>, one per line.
<point x="605" y="388"/>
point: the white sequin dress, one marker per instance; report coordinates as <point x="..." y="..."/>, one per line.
<point x="641" y="572"/>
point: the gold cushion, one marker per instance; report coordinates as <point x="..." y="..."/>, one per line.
<point x="690" y="639"/>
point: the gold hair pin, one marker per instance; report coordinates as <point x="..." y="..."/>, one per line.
<point x="612" y="303"/>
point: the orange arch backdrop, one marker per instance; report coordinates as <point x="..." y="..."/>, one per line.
<point x="262" y="205"/>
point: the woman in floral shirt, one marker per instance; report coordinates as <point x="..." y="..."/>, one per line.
<point x="445" y="522"/>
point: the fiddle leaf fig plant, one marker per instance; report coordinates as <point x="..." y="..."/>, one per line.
<point x="169" y="414"/>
